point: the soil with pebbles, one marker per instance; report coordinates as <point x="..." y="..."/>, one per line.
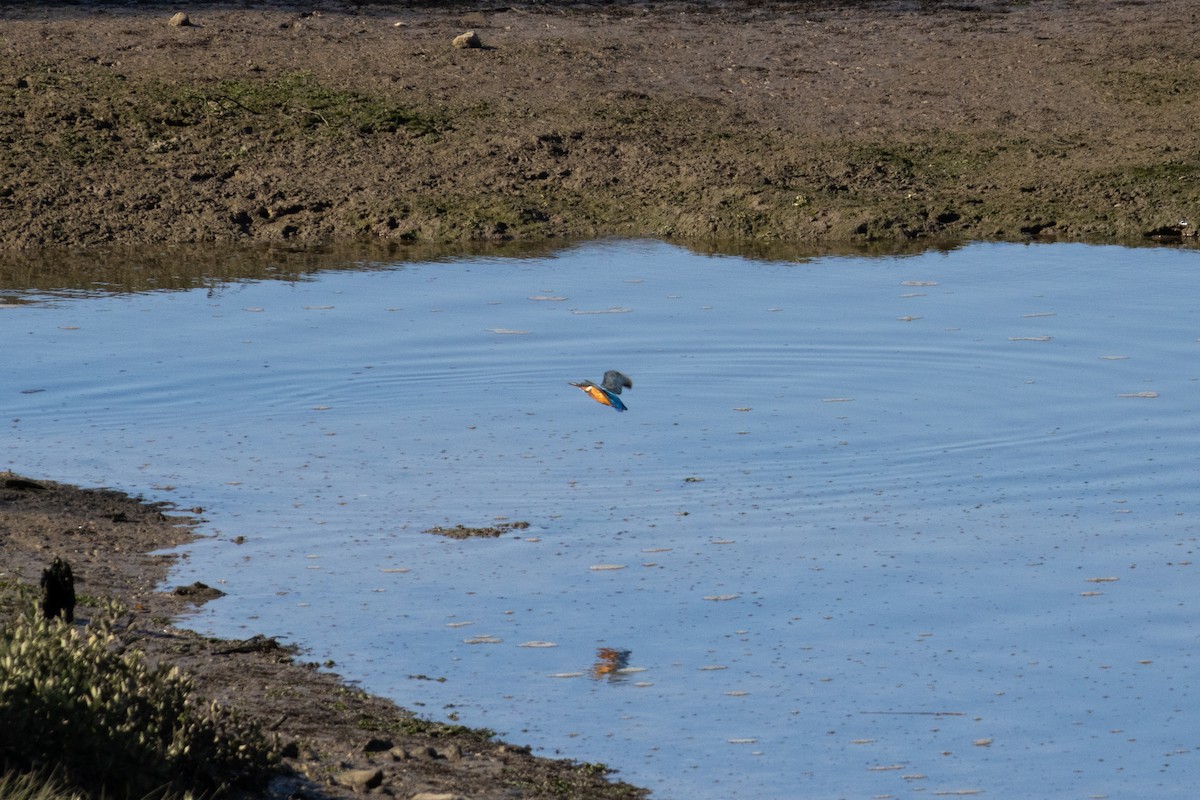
<point x="785" y="120"/>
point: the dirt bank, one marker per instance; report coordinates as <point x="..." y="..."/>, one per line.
<point x="337" y="736"/>
<point x="802" y="121"/>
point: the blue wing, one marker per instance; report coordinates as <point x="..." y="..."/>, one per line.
<point x="613" y="400"/>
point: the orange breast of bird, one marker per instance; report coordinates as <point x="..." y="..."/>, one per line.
<point x="597" y="395"/>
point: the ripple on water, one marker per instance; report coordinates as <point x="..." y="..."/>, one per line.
<point x="922" y="486"/>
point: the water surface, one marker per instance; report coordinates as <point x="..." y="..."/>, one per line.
<point x="870" y="527"/>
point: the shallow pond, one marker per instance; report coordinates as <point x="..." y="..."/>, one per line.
<point x="870" y="527"/>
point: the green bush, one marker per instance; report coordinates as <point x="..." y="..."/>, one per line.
<point x="75" y="703"/>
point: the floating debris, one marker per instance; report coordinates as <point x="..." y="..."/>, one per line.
<point x="917" y="713"/>
<point x="1148" y="395"/>
<point x="538" y="644"/>
<point x="483" y="639"/>
<point x="489" y="532"/>
<point x="720" y="598"/>
<point x="612" y="310"/>
<point x="1030" y="338"/>
<point x="1040" y="314"/>
<point x="508" y="332"/>
<point x="458" y="624"/>
<point x="565" y="675"/>
<point x="918" y="283"/>
<point x="712" y="668"/>
<point x="1102" y="580"/>
<point x="747" y="740"/>
<point x="603" y="567"/>
<point x="547" y="298"/>
<point x="318" y="308"/>
<point x="908" y="319"/>
<point x="837" y="399"/>
<point x="1114" y="358"/>
<point x="396" y="569"/>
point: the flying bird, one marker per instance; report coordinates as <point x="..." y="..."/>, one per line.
<point x="608" y="389"/>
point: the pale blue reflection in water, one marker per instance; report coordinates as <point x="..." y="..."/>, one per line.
<point x="884" y="527"/>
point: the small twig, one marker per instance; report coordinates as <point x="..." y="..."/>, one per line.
<point x="215" y="98"/>
<point x="312" y="113"/>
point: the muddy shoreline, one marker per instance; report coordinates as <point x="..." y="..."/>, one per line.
<point x="340" y="743"/>
<point x="785" y="121"/>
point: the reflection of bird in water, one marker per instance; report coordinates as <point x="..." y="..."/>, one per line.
<point x="608" y="389"/>
<point x="609" y="662"/>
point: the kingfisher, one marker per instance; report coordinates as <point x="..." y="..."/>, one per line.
<point x="608" y="389"/>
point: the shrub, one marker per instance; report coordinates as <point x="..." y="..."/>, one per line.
<point x="73" y="701"/>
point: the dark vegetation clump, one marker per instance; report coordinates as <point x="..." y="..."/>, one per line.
<point x="58" y="591"/>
